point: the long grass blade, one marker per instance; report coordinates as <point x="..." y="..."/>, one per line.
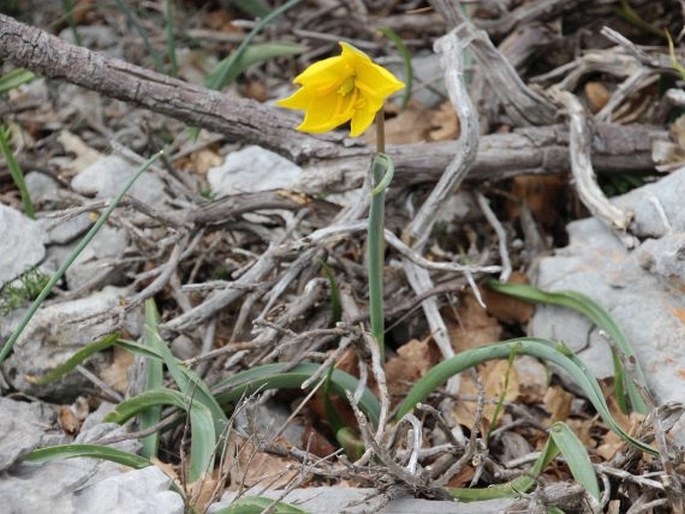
<point x="71" y="451"/>
<point x="7" y="347"/>
<point x="154" y="378"/>
<point x="549" y="351"/>
<point x="259" y="504"/>
<point x="14" y="79"/>
<point x="188" y="382"/>
<point x="203" y="436"/>
<point x="15" y="171"/>
<point x="575" y="454"/>
<point x="287" y="376"/>
<point x="597" y="315"/>
<point x="76" y="359"/>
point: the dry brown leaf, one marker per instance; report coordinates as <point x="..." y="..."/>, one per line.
<point x="256" y="90"/>
<point x="250" y="467"/>
<point x="505" y="308"/>
<point x="411" y="125"/>
<point x="611" y="443"/>
<point x="597" y="95"/>
<point x="418" y="124"/>
<point x="68" y="421"/>
<point x="445" y="122"/>
<point x="493" y="373"/>
<point x="315" y="442"/>
<point x="203" y="492"/>
<point x="558" y="403"/>
<point x="116" y="374"/>
<point x="542" y="195"/>
<point x="472" y="326"/>
<point x="463" y="478"/>
<point x="583" y="429"/>
<point x="169" y="469"/>
<point x="84" y="155"/>
<point x="201" y="161"/>
<point x="412" y="361"/>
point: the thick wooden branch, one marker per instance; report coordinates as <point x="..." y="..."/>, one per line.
<point x="332" y="162"/>
<point x="237" y="118"/>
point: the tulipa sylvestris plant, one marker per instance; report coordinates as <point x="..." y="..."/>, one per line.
<point x="351" y="87"/>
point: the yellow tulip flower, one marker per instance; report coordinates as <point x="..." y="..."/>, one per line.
<point x="349" y="87"/>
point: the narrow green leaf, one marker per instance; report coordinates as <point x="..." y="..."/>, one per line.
<point x="382" y="171"/>
<point x="14" y="79"/>
<point x="230" y="68"/>
<point x="154" y="378"/>
<point x="280" y="376"/>
<point x="225" y="71"/>
<point x="7" y="347"/>
<point x="257" y="505"/>
<point x="15" y="171"/>
<point x="540" y="348"/>
<point x="597" y="315"/>
<point x="76" y="359"/>
<point x="575" y="454"/>
<point x="70" y="451"/>
<point x="254" y="7"/>
<point x="203" y="437"/>
<point x="512" y="488"/>
<point x="187" y="380"/>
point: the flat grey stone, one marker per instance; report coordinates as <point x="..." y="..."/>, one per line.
<point x="252" y="169"/>
<point x="54" y="334"/>
<point x="651" y="202"/>
<point x="326" y="500"/>
<point x="143" y="491"/>
<point x="21" y="243"/>
<point x="66" y="231"/>
<point x="641" y="289"/>
<point x="21" y="429"/>
<point x="73" y="486"/>
<point x="106" y="177"/>
<point x="40" y="186"/>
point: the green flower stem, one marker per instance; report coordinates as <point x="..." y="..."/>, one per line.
<point x="7" y="347"/>
<point x="379" y="182"/>
<point x="15" y="172"/>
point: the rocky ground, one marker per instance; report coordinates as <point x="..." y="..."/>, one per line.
<point x="542" y="143"/>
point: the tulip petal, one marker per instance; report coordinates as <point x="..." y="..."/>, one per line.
<point x="349" y="87"/>
<point x="351" y="53"/>
<point x="320" y="116"/>
<point x="363" y="116"/>
<point x="324" y="77"/>
<point x="375" y="80"/>
<point x="299" y="100"/>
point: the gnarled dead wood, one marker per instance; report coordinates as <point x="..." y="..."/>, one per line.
<point x="332" y="161"/>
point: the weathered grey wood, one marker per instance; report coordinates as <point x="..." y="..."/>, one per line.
<point x="332" y="161"/>
<point x="237" y="118"/>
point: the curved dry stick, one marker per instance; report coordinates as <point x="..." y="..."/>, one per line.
<point x="581" y="166"/>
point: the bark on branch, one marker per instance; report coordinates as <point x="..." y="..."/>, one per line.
<point x="332" y="161"/>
